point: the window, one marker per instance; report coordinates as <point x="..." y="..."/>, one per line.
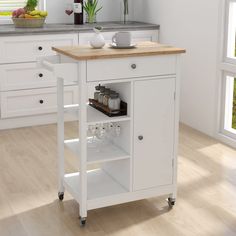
<point x="8" y="6"/>
<point x="231" y="41"/>
<point x="228" y="71"/>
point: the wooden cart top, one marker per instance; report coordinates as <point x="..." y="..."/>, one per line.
<point x="141" y="49"/>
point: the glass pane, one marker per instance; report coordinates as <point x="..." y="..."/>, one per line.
<point x="231" y="52"/>
<point x="230" y="118"/>
<point x="7" y="6"/>
<point x="234" y="107"/>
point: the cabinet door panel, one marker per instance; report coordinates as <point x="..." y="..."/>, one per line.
<point x="154" y="121"/>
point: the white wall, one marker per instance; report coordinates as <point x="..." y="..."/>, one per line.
<point x="193" y="25"/>
<point x="56" y="10"/>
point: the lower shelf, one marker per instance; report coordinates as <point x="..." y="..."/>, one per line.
<point x="99" y="185"/>
<point x="106" y="153"/>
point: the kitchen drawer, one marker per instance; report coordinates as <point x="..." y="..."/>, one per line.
<point x="25" y="76"/>
<point x="27" y="48"/>
<point x="130" y="67"/>
<point x="137" y="36"/>
<point x="34" y="102"/>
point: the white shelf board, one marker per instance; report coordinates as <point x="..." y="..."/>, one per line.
<point x="94" y="116"/>
<point x="99" y="185"/>
<point x="95" y="155"/>
<point x="71" y="108"/>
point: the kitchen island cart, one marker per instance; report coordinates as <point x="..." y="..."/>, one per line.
<point x="141" y="160"/>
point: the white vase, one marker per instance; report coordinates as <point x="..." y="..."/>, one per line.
<point x="97" y="41"/>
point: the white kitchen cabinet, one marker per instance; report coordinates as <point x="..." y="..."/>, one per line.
<point x="138" y="162"/>
<point x="20" y="74"/>
<point x="23" y="84"/>
<point x="154" y="109"/>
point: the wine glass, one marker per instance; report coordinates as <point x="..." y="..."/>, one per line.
<point x="69" y="9"/>
<point x="117" y="130"/>
<point x="92" y="131"/>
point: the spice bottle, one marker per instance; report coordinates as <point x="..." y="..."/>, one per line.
<point x="96" y="93"/>
<point x="101" y="94"/>
<point x="106" y="97"/>
<point x="114" y="102"/>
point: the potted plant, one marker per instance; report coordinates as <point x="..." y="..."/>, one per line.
<point x="91" y="8"/>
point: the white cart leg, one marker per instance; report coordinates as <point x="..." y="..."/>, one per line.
<point x="60" y="136"/>
<point x="173" y="195"/>
<point x="83" y="140"/>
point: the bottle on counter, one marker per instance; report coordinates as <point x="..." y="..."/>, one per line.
<point x="114" y="102"/>
<point x="78" y="12"/>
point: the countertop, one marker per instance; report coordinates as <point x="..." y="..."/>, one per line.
<point x="142" y="49"/>
<point x="6" y="30"/>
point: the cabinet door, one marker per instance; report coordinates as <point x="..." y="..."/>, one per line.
<point x="154" y="108"/>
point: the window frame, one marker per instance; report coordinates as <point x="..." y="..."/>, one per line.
<point x="227" y="67"/>
<point x="227" y="27"/>
<point x="7" y="19"/>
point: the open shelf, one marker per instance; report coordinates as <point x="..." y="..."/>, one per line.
<point x="99" y="184"/>
<point x="106" y="153"/>
<point x="94" y="116"/>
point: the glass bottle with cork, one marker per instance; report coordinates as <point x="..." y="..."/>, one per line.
<point x="78" y="12"/>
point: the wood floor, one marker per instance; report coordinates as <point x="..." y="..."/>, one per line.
<point x="206" y="203"/>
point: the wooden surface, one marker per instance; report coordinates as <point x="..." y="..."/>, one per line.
<point x="29" y="206"/>
<point x="142" y="49"/>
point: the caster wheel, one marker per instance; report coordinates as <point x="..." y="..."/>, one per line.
<point x="82" y="222"/>
<point x="171" y="202"/>
<point x="61" y="196"/>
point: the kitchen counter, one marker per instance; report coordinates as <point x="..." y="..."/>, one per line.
<point x="142" y="49"/>
<point x="6" y="30"/>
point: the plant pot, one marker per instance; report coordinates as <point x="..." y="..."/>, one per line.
<point x="91" y="19"/>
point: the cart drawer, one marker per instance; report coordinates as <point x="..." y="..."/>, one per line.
<point x="25" y="76"/>
<point x="33" y="102"/>
<point x="130" y="67"/>
<point x="28" y="48"/>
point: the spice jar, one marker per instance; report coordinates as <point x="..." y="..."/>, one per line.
<point x="96" y="93"/>
<point x="106" y="97"/>
<point x="101" y="94"/>
<point x="114" y="102"/>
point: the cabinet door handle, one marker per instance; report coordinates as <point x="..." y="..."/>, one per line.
<point x="140" y="137"/>
<point x="41" y="101"/>
<point x="133" y="66"/>
<point x="40" y="48"/>
<point x="40" y="75"/>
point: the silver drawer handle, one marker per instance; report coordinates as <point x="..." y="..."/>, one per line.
<point x="133" y="66"/>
